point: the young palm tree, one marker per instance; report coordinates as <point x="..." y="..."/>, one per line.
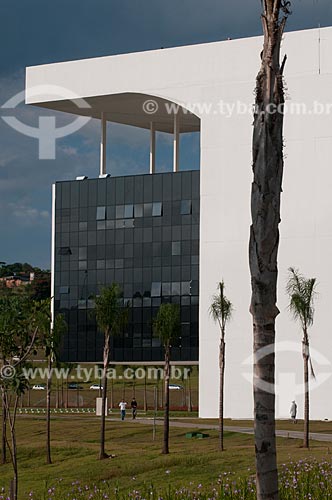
<point x="110" y="317"/>
<point x="167" y="327"/>
<point x="267" y="166"/>
<point x="221" y="312"/>
<point x="302" y="292"/>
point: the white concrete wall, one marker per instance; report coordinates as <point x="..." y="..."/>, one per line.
<point x="226" y="71"/>
<point x="306" y="230"/>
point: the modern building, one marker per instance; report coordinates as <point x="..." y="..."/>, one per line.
<point x="208" y="88"/>
<point x="141" y="232"/>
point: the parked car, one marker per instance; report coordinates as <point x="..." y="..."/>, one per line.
<point x="96" y="387"/>
<point x="39" y="387"/>
<point x="74" y="385"/>
<point x="175" y="387"/>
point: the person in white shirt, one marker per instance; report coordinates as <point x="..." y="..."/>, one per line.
<point x="122" y="406"/>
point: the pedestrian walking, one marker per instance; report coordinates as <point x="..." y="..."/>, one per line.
<point x="122" y="406"/>
<point x="133" y="406"/>
<point x="293" y="411"/>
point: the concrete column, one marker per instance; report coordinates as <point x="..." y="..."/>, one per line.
<point x="103" y="144"/>
<point x="176" y="143"/>
<point x="152" y="148"/>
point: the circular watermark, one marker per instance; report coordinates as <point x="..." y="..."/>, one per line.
<point x="47" y="132"/>
<point x="150" y="107"/>
<point x="7" y="372"/>
<point x="286" y="379"/>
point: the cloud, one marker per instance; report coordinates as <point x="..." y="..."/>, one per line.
<point x="29" y="215"/>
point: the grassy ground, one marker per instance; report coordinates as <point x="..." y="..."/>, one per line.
<point x="138" y="460"/>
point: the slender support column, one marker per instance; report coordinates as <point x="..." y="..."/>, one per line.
<point x="103" y="145"/>
<point x="176" y="143"/>
<point x="53" y="255"/>
<point x="152" y="148"/>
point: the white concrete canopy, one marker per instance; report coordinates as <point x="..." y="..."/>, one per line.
<point x="128" y="108"/>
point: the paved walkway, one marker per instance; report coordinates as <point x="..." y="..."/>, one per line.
<point x="315" y="436"/>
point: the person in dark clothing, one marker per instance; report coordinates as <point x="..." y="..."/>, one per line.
<point x="133" y="406"/>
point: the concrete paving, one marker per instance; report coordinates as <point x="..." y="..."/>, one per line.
<point x="315" y="436"/>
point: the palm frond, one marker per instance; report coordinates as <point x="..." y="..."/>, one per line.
<point x="302" y="293"/>
<point x="313" y="375"/>
<point x="221" y="308"/>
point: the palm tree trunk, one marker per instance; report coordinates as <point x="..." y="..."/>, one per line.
<point x="48" y="412"/>
<point x="305" y="355"/>
<point x="221" y="392"/>
<point x="264" y="241"/>
<point x="166" y="401"/>
<point x="102" y="453"/>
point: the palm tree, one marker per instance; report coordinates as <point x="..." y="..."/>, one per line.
<point x="302" y="292"/>
<point x="221" y="312"/>
<point x="167" y="327"/>
<point x="267" y="168"/>
<point x="110" y="317"/>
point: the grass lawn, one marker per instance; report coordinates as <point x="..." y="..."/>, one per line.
<point x="138" y="460"/>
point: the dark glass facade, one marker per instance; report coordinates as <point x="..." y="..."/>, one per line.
<point x="141" y="232"/>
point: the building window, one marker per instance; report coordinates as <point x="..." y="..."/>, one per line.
<point x="138" y="210"/>
<point x="101" y="213"/>
<point x="176" y="247"/>
<point x="156" y="289"/>
<point x="166" y="289"/>
<point x="185" y="288"/>
<point x="147" y="209"/>
<point x="64" y="251"/>
<point x="64" y="289"/>
<point x="157" y="209"/>
<point x="185" y="207"/>
<point x="128" y="211"/>
<point x="119" y="212"/>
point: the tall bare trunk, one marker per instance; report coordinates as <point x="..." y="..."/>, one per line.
<point x="145" y="403"/>
<point x="4" y="428"/>
<point x="57" y="398"/>
<point x="166" y="401"/>
<point x="190" y="405"/>
<point x="111" y="395"/>
<point x="305" y="355"/>
<point x="14" y="482"/>
<point x="48" y="412"/>
<point x="221" y="392"/>
<point x="264" y="241"/>
<point x="102" y="453"/>
<point x="11" y="415"/>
